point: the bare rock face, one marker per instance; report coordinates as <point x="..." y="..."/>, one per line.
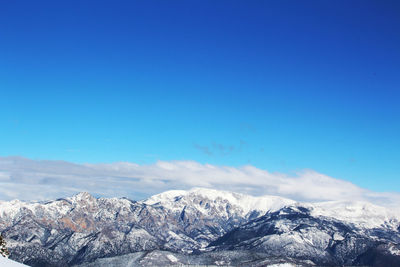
<point x="200" y="226"/>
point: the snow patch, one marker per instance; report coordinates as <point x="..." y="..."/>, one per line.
<point x="394" y="251"/>
<point x="337" y="237"/>
<point x="4" y="262"/>
<point x="172" y="258"/>
<point x="282" y="265"/>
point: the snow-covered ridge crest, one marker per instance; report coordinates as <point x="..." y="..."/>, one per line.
<point x="360" y="213"/>
<point x="171" y="199"/>
<point x="363" y="214"/>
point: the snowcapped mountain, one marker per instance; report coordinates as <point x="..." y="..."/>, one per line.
<point x="199" y="226"/>
<point x="243" y="204"/>
<point x="206" y="214"/>
<point x="295" y="232"/>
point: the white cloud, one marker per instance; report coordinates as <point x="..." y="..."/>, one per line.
<point x="38" y="180"/>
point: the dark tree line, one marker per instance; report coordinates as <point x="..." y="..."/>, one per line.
<point x="3" y="249"/>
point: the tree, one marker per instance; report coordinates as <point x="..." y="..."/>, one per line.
<point x="3" y="249"/>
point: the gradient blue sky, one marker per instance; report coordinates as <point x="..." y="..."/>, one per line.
<point x="281" y="85"/>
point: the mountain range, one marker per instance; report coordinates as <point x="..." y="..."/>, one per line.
<point x="199" y="227"/>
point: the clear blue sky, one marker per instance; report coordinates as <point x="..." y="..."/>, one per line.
<point x="281" y="85"/>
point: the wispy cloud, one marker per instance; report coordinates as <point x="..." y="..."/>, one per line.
<point x="220" y="149"/>
<point x="223" y="149"/>
<point x="205" y="149"/>
<point x="37" y="180"/>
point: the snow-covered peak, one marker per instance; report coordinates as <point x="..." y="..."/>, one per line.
<point x="174" y="199"/>
<point x="165" y="196"/>
<point x="10" y="207"/>
<point x="83" y="196"/>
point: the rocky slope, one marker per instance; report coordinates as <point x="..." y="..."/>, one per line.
<point x="200" y="226"/>
<point x="296" y="233"/>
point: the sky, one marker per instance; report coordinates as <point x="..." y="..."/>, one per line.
<point x="290" y="88"/>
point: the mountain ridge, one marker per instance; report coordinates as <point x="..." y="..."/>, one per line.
<point x="82" y="228"/>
